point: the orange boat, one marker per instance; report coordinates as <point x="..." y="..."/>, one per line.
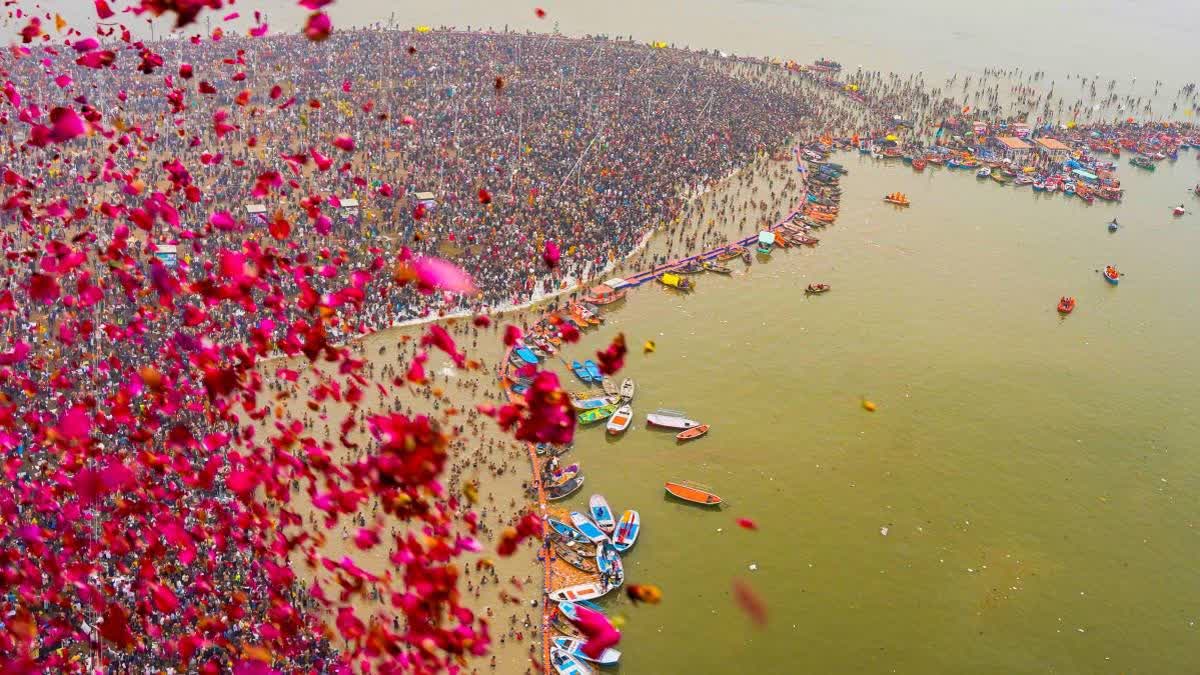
<point x="897" y="198"/>
<point x="693" y="492"/>
<point x="918" y="164"/>
<point x="694" y="432"/>
<point x="605" y="294"/>
<point x="1066" y="305"/>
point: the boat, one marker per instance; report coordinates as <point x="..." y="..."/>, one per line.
<point x="581" y="371"/>
<point x="730" y="253"/>
<point x="692" y="267"/>
<point x="588" y="528"/>
<point x="766" y="242"/>
<point x="602" y="515"/>
<point x="1178" y="211"/>
<point x="606" y="293"/>
<point x="627" y="389"/>
<point x="566" y="531"/>
<point x="919" y="164"/>
<point x="983" y="173"/>
<point x="1039" y="186"/>
<point x="692" y="492"/>
<point x="716" y="269"/>
<point x="1113" y="226"/>
<point x="593" y="371"/>
<point x="566" y="663"/>
<point x="676" y="281"/>
<point x="694" y="432"/>
<point x="526" y="355"/>
<point x="671" y="419"/>
<point x="608" y="385"/>
<point x="999" y="177"/>
<point x="816" y="289"/>
<point x="1066" y="305"/>
<point x="574" y="647"/>
<point x="564" y="490"/>
<point x="570" y="608"/>
<point x="559" y="623"/>
<point x="627" y="531"/>
<point x="607" y="559"/>
<point x="1111" y="275"/>
<point x="597" y="414"/>
<point x="897" y="198"/>
<point x="579" y="559"/>
<point x="594" y="402"/>
<point x="620" y="420"/>
<point x="1142" y="162"/>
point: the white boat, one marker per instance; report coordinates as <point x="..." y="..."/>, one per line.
<point x="584" y="591"/>
<point x="627" y="531"/>
<point x="588" y="528"/>
<point x="609" y="387"/>
<point x="620" y="420"/>
<point x="627" y="389"/>
<point x="566" y="663"/>
<point x="574" y="646"/>
<point x="671" y="419"/>
<point x="595" y="402"/>
<point x="601" y="513"/>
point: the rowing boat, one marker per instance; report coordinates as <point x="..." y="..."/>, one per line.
<point x="692" y="492"/>
<point x="620" y="420"/>
<point x="566" y="531"/>
<point x="597" y="414"/>
<point x="627" y="531"/>
<point x="601" y="513"/>
<point x="566" y="663"/>
<point x="671" y="419"/>
<point x="609" y="387"/>
<point x="594" y="402"/>
<point x="581" y="372"/>
<point x="574" y="647"/>
<point x="719" y="269"/>
<point x="570" y="609"/>
<point x="816" y="289"/>
<point x="694" y="432"/>
<point x="627" y="389"/>
<point x="564" y="490"/>
<point x="559" y="623"/>
<point x="593" y="370"/>
<point x="585" y="591"/>
<point x="588" y="528"/>
<point x="578" y="559"/>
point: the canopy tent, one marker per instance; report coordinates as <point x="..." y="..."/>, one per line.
<point x="766" y="237"/>
<point x="167" y="253"/>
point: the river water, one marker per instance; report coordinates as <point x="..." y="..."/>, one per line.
<point x="1037" y="475"/>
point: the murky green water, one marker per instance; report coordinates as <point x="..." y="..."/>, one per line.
<point x="1037" y="475"/>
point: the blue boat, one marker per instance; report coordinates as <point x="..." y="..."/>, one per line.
<point x="1112" y="226"/>
<point x="580" y="371"/>
<point x="566" y="663"/>
<point x="593" y="371"/>
<point x="567" y="531"/>
<point x="574" y="647"/>
<point x="526" y="354"/>
<point x="590" y="403"/>
<point x="571" y="609"/>
<point x="588" y="528"/>
<point x="1111" y="275"/>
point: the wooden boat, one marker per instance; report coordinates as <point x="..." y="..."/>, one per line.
<point x="627" y="389"/>
<point x="593" y="371"/>
<point x="605" y="294"/>
<point x="692" y="492"/>
<point x="1111" y="275"/>
<point x="692" y="267"/>
<point x="999" y="177"/>
<point x="676" y="281"/>
<point x="609" y="387"/>
<point x="559" y="476"/>
<point x="694" y="432"/>
<point x="582" y="560"/>
<point x="581" y="371"/>
<point x="1143" y="163"/>
<point x="985" y="172"/>
<point x="575" y="648"/>
<point x="1113" y="226"/>
<point x="601" y="514"/>
<point x="671" y="419"/>
<point x="730" y="253"/>
<point x="717" y="269"/>
<point x="607" y="559"/>
<point x="919" y="164"/>
<point x="594" y="402"/>
<point x="816" y="289"/>
<point x="566" y="663"/>
<point x="597" y="414"/>
<point x="559" y="623"/>
<point x="1066" y="305"/>
<point x="588" y="528"/>
<point x="627" y="531"/>
<point x="564" y="490"/>
<point x="566" y="531"/>
<point x="585" y="591"/>
<point x="896" y="198"/>
<point x="552" y="449"/>
<point x="620" y="420"/>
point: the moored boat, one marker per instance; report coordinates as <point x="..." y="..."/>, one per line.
<point x="620" y="420"/>
<point x="576" y="555"/>
<point x="566" y="531"/>
<point x="526" y="354"/>
<point x="766" y="242"/>
<point x="560" y="623"/>
<point x="588" y="528"/>
<point x="566" y="663"/>
<point x="564" y="490"/>
<point x="627" y="530"/>
<point x="627" y="389"/>
<point x="606" y="293"/>
<point x="692" y="492"/>
<point x="593" y="370"/>
<point x="897" y="198"/>
<point x="594" y="402"/>
<point x="984" y="172"/>
<point x="671" y="419"/>
<point x="919" y="164"/>
<point x="694" y="432"/>
<point x="717" y="269"/>
<point x="1113" y="226"/>
<point x="602" y="515"/>
<point x="581" y="371"/>
<point x="675" y="281"/>
<point x="575" y="648"/>
<point x="597" y="414"/>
